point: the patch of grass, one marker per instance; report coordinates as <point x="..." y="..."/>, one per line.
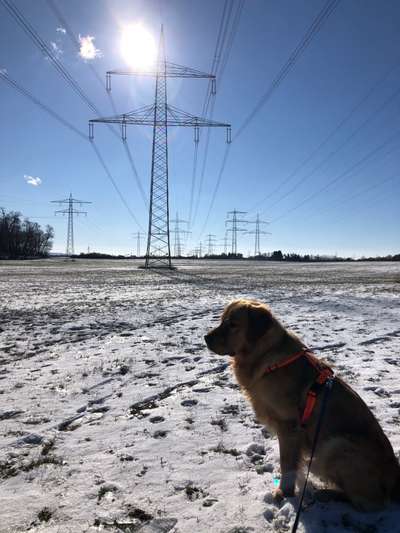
<point x="221" y="422"/>
<point x="193" y="493"/>
<point x="227" y="451"/>
<point x="43" y="460"/>
<point x="8" y="469"/>
<point x="139" y="514"/>
<point x="44" y="515"/>
<point x="47" y="446"/>
<point x="104" y="489"/>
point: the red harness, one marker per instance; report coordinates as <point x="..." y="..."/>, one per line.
<point x="324" y="373"/>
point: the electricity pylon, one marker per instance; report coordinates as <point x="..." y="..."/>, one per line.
<point x="138" y="236"/>
<point x="210" y="243"/>
<point x="160" y="115"/>
<point x="234" y="229"/>
<point x="257" y="232"/>
<point x="71" y="212"/>
<point x="224" y="242"/>
<point x="177" y="231"/>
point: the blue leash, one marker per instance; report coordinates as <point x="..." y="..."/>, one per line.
<point x="327" y="390"/>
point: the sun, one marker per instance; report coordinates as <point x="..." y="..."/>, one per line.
<point x="138" y="47"/>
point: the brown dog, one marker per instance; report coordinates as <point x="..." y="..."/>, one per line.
<point x="352" y="453"/>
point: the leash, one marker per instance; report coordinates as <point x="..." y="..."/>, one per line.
<point x="327" y="390"/>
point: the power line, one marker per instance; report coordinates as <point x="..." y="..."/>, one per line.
<point x="71" y="34"/>
<point x="220" y="61"/>
<point x="342" y="175"/>
<point x="346" y="199"/>
<point x="45" y="49"/>
<point x="346" y="119"/>
<point x="193" y="182"/>
<point x="316" y="25"/>
<point x="12" y="83"/>
<point x="216" y="188"/>
<point x="110" y="177"/>
<point x="314" y="28"/>
<point x="338" y="148"/>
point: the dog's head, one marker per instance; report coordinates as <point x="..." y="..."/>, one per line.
<point x="244" y="324"/>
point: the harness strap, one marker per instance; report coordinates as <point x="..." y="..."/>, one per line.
<point x="324" y="373"/>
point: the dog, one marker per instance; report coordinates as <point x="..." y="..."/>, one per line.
<point x="278" y="375"/>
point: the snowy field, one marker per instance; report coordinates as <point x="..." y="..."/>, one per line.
<point x="115" y="417"/>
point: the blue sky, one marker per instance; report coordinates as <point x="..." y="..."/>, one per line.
<point x="339" y="198"/>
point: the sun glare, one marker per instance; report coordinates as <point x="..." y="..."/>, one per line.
<point x="138" y="47"/>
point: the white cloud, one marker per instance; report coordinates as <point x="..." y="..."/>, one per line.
<point x="32" y="181"/>
<point x="88" y="50"/>
<point x="61" y="30"/>
<point x="56" y="49"/>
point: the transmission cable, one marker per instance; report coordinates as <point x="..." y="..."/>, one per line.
<point x="316" y="25"/>
<point x="45" y="49"/>
<point x="12" y="83"/>
<point x="217" y="184"/>
<point x="358" y="193"/>
<point x="346" y="141"/>
<point x="346" y="119"/>
<point x="220" y="60"/>
<point x="314" y="28"/>
<point x="71" y="34"/>
<point x="339" y="177"/>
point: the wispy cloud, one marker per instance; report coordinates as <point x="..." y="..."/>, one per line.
<point x="35" y="182"/>
<point x="57" y="50"/>
<point x="61" y="30"/>
<point x="88" y="50"/>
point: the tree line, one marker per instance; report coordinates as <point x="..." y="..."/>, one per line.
<point x="21" y="238"/>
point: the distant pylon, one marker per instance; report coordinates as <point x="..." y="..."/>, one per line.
<point x="257" y="232"/>
<point x="234" y="229"/>
<point x="178" y="231"/>
<point x="160" y="115"/>
<point x="138" y="236"/>
<point x="210" y="243"/>
<point x="71" y="212"/>
<point x="225" y="242"/>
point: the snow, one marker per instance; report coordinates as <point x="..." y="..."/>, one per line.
<point x="115" y="417"/>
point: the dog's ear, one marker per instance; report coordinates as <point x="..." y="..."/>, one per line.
<point x="259" y="321"/>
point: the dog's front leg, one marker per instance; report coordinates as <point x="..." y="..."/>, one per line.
<point x="290" y="450"/>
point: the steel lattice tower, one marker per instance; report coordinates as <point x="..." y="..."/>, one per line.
<point x="71" y="212"/>
<point x="234" y="229"/>
<point x="257" y="232"/>
<point x="138" y="235"/>
<point x="210" y="243"/>
<point x="160" y="115"/>
<point x="177" y="234"/>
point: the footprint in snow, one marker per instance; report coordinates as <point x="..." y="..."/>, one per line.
<point x="156" y="419"/>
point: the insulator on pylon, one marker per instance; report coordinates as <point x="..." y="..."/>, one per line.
<point x="213" y="86"/>
<point x="196" y="134"/>
<point x="229" y="135"/>
<point x="123" y="129"/>
<point x="108" y="82"/>
<point x="91" y="131"/>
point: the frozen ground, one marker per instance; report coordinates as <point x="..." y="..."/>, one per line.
<point x="115" y="417"/>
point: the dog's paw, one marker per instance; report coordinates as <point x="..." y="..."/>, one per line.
<point x="280" y="493"/>
<point x="277" y="495"/>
